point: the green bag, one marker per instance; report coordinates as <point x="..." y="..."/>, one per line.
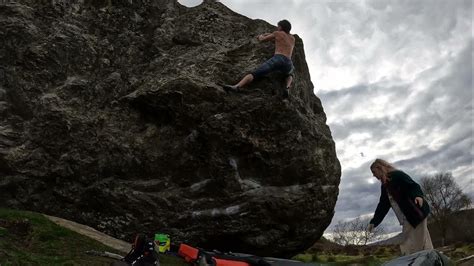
<point x="163" y="242"/>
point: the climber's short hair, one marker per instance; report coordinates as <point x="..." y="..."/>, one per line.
<point x="285" y="25"/>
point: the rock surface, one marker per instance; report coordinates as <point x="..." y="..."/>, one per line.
<point x="112" y="116"/>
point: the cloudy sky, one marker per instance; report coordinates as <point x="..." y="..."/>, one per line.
<point x="395" y="80"/>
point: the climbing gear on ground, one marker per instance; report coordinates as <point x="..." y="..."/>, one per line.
<point x="163" y="242"/>
<point x="143" y="252"/>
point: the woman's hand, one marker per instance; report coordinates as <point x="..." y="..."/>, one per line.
<point x="419" y="201"/>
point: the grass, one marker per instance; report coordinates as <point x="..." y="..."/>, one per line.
<point x="338" y="260"/>
<point x="168" y="260"/>
<point x="360" y="255"/>
<point x="459" y="251"/>
<point x="28" y="238"/>
<point x="331" y="254"/>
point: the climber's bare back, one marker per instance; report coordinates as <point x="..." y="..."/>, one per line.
<point x="284" y="43"/>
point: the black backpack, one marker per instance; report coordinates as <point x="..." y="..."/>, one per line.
<point x="143" y="252"/>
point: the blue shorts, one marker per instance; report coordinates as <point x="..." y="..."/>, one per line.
<point x="278" y="62"/>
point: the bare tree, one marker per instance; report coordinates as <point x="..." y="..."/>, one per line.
<point x="445" y="198"/>
<point x="355" y="232"/>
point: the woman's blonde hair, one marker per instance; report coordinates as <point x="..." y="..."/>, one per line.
<point x="383" y="165"/>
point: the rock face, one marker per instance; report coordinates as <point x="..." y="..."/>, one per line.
<point x="112" y="116"/>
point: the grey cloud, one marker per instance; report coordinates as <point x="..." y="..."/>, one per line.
<point x="453" y="117"/>
<point x="436" y="19"/>
<point x="380" y="127"/>
<point x="454" y="154"/>
<point x="342" y="103"/>
<point x="454" y="88"/>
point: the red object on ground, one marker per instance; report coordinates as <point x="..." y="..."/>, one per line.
<point x="188" y="253"/>
<point x="222" y="262"/>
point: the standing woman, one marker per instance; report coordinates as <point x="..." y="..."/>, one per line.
<point x="404" y="195"/>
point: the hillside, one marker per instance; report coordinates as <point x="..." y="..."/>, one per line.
<point x="460" y="229"/>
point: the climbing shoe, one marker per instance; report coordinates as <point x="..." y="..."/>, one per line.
<point x="231" y="88"/>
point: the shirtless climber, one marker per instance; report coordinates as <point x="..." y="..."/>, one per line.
<point x="281" y="60"/>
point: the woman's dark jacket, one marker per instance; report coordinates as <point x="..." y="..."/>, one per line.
<point x="404" y="191"/>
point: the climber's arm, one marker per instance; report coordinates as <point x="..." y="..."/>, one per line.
<point x="266" y="37"/>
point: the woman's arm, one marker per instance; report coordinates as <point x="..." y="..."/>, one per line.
<point x="382" y="208"/>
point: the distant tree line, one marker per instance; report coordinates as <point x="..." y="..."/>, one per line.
<point x="354" y="232"/>
<point x="445" y="198"/>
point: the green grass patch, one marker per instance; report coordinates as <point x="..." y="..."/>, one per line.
<point x="28" y="238"/>
<point x="339" y="260"/>
<point x="460" y="250"/>
<point x="168" y="260"/>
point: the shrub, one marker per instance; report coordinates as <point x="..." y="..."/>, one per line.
<point x="380" y="251"/>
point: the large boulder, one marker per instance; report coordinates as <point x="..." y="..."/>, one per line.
<point x="112" y="116"/>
